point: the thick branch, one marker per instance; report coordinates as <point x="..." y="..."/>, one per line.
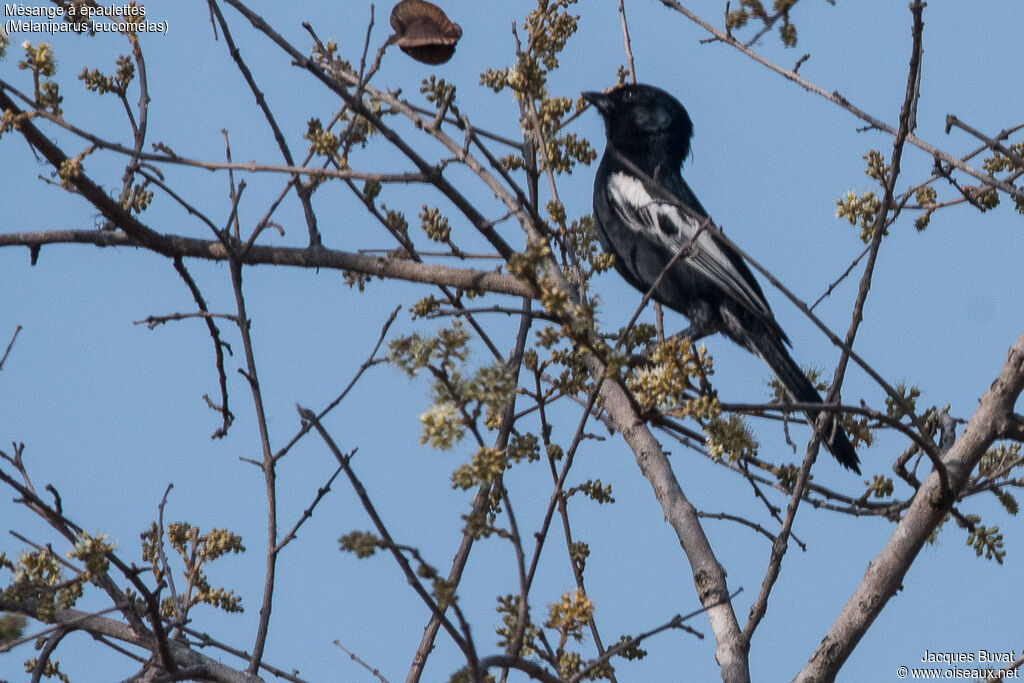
<point x="183" y="657"/>
<point x="885" y="573"/>
<point x="95" y="194"/>
<point x="190" y="247"/>
<point x="708" y="574"/>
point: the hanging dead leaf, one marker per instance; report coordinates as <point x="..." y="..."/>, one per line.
<point x="424" y="31"/>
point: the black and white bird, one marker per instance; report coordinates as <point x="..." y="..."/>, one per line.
<point x="645" y="213"/>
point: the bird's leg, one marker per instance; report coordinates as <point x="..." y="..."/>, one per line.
<point x="704" y="322"/>
<point x="694" y="333"/>
<point x="700" y="326"/>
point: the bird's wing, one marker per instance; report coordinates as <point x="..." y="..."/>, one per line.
<point x="666" y="224"/>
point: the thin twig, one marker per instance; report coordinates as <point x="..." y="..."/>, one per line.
<point x="14" y="336"/>
<point x="991" y="143"/>
<point x="370" y="361"/>
<point x="165" y="566"/>
<point x="307" y="513"/>
<point x="376" y="673"/>
<point x="153" y="321"/>
<point x="302" y="191"/>
<point x="219" y="346"/>
<point x="345" y="461"/>
<point x="268" y="467"/>
<point x="480" y="501"/>
<point x="627" y="45"/>
<point x="739" y="520"/>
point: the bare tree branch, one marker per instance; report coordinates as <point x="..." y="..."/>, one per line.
<point x="181" y="656"/>
<point x="884" y="574"/>
<point x="190" y="247"/>
<point x="7" y="350"/>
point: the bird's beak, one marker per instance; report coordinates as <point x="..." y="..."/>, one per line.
<point x="599" y="100"/>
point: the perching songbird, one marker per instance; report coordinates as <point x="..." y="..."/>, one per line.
<point x="639" y="200"/>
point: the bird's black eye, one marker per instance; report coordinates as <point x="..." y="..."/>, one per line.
<point x="629" y="94"/>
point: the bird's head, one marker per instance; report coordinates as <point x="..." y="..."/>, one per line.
<point x="642" y="118"/>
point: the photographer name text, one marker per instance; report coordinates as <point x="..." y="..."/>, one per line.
<point x="981" y="656"/>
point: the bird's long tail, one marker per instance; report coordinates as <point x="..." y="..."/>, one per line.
<point x="770" y="348"/>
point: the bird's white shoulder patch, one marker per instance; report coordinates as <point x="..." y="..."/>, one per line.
<point x="628" y="190"/>
<point x="667" y="225"/>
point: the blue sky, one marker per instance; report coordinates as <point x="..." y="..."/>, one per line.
<point x="111" y="412"/>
